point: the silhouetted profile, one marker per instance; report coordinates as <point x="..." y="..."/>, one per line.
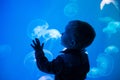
<point x="74" y="63"/>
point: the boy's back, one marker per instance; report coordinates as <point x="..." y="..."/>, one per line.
<point x="75" y="65"/>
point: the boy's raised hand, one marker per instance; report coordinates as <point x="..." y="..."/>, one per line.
<point x="36" y="45"/>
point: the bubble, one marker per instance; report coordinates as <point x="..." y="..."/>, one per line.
<point x="37" y="28"/>
<point x="71" y="9"/>
<point x="111" y="49"/>
<point x="94" y="72"/>
<point x="46" y="77"/>
<point x="112" y="28"/>
<point x="105" y="63"/>
<point x="52" y="34"/>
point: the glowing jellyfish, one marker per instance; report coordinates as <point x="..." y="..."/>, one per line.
<point x="104" y="2"/>
<point x="106" y="19"/>
<point x="51" y="34"/>
<point x="112" y="28"/>
<point x="111" y="50"/>
<point x="37" y="28"/>
<point x="71" y="9"/>
<point x="94" y="72"/>
<point x="105" y="63"/>
<point x="46" y="77"/>
<point x="30" y="61"/>
<point x="5" y="48"/>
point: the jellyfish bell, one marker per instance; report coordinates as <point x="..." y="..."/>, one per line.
<point x="37" y="28"/>
<point x="71" y="9"/>
<point x="105" y="63"/>
<point x="106" y="19"/>
<point x="112" y="28"/>
<point x="48" y="54"/>
<point x="104" y="2"/>
<point x="94" y="72"/>
<point x="30" y="62"/>
<point x="111" y="50"/>
<point x="46" y="77"/>
<point x="52" y="34"/>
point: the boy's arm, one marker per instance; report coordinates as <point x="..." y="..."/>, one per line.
<point x="43" y="64"/>
<point x="53" y="67"/>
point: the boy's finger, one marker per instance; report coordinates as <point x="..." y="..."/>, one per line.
<point x="37" y="41"/>
<point x="32" y="46"/>
<point x="34" y="42"/>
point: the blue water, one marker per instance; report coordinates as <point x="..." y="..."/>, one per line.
<point x="23" y="20"/>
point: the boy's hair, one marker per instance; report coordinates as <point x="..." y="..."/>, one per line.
<point x="83" y="33"/>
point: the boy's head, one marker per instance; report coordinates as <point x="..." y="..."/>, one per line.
<point x="77" y="35"/>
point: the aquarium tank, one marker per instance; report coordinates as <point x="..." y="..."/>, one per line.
<point x="21" y="21"/>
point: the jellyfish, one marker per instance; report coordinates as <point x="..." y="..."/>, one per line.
<point x="37" y="28"/>
<point x="112" y="28"/>
<point x="46" y="77"/>
<point x="30" y="61"/>
<point x="51" y="34"/>
<point x="71" y="9"/>
<point x="104" y="2"/>
<point x="111" y="49"/>
<point x="106" y="19"/>
<point x="48" y="54"/>
<point x="94" y="72"/>
<point x="105" y="63"/>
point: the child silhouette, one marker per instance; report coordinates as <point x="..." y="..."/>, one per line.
<point x="74" y="63"/>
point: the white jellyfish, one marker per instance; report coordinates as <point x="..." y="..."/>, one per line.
<point x="106" y="19"/>
<point x="30" y="61"/>
<point x="94" y="72"/>
<point x="48" y="54"/>
<point x="37" y="28"/>
<point x="71" y="9"/>
<point x="111" y="49"/>
<point x="46" y="77"/>
<point x="51" y="34"/>
<point x="105" y="63"/>
<point x="112" y="28"/>
<point x="104" y="2"/>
